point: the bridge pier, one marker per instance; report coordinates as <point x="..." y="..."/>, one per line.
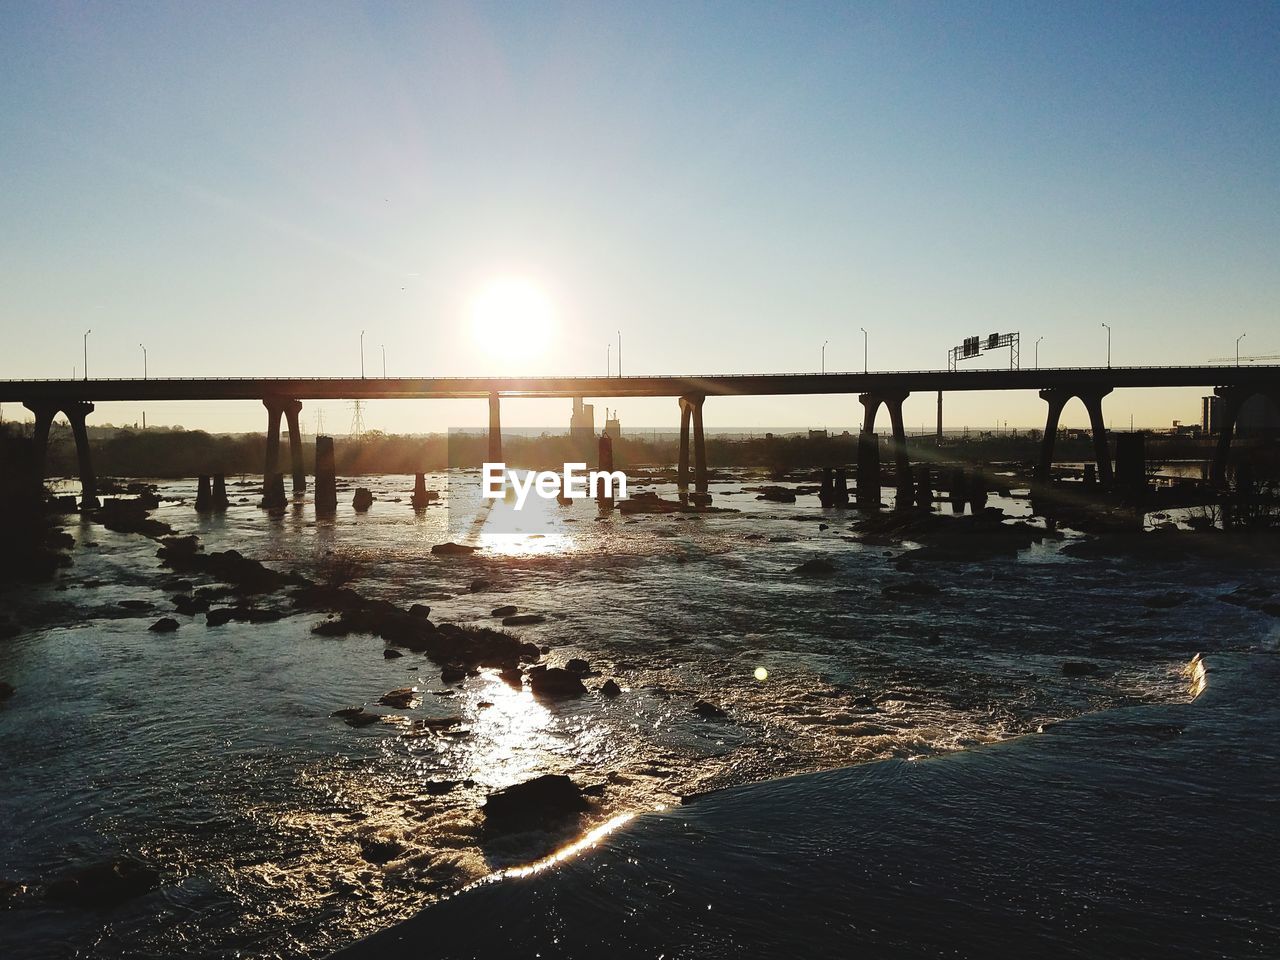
<point x="275" y="409"/>
<point x="1057" y="398"/>
<point x="691" y="410"/>
<point x="326" y="478"/>
<point x="77" y="412"/>
<point x="292" y="409"/>
<point x="495" y="429"/>
<point x="893" y="400"/>
<point x="44" y="411"/>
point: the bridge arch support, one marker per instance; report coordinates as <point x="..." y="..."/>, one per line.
<point x="1057" y="398"/>
<point x="1233" y="401"/>
<point x="691" y="413"/>
<point x="893" y="401"/>
<point x="77" y="412"/>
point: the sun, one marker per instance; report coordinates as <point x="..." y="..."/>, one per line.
<point x="512" y="317"/>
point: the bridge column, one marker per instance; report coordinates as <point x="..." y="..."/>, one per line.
<point x="292" y="409"/>
<point x="77" y="412"/>
<point x="1233" y="399"/>
<point x="270" y="492"/>
<point x="682" y="470"/>
<point x="45" y="411"/>
<point x="699" y="448"/>
<point x="902" y="462"/>
<point x="1057" y="399"/>
<point x="1093" y="404"/>
<point x="495" y="429"/>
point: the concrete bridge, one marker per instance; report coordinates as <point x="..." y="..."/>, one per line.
<point x="284" y="398"/>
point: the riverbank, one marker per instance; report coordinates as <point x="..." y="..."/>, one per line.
<point x="1146" y="831"/>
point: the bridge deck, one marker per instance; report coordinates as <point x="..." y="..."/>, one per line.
<point x="773" y="384"/>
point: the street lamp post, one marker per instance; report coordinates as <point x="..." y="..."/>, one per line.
<point x="1108" y="326"/>
<point x="86" y="353"/>
<point x="864" y="348"/>
<point x="1038" y="339"/>
<point x="384" y="361"/>
<point x="1238" y="339"/>
<point x="361" y="354"/>
<point x="824" y="355"/>
<point x="144" y="360"/>
<point x="619" y="353"/>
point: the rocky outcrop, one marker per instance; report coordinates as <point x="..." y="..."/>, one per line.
<point x="547" y="798"/>
<point x="554" y="682"/>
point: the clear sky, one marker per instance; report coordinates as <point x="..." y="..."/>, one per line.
<point x="246" y="187"/>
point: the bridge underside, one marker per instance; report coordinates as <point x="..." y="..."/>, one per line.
<point x="281" y="397"/>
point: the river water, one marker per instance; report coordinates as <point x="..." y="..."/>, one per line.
<point x="211" y="753"/>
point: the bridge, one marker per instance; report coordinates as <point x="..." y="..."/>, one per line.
<point x="283" y="397"/>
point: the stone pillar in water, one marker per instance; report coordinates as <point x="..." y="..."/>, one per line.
<point x="326" y="477"/>
<point x="924" y="488"/>
<point x="841" y="489"/>
<point x="419" y="499"/>
<point x="959" y="490"/>
<point x="977" y="485"/>
<point x="220" y="500"/>
<point x="1131" y="462"/>
<point x="826" y="493"/>
<point x="868" y="469"/>
<point x="204" y="496"/>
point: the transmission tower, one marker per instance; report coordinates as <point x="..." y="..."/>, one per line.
<point x="357" y="419"/>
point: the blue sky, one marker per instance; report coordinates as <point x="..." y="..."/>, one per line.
<point x="243" y="188"/>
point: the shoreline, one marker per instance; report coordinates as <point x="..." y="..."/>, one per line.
<point x="936" y="857"/>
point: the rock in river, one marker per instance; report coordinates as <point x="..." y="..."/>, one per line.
<point x="164" y="625"/>
<point x="451" y="549"/>
<point x="555" y="682"/>
<point x="817" y="567"/>
<point x="523" y="619"/>
<point x="549" y="797"/>
<point x="104" y="884"/>
<point x="504" y="611"/>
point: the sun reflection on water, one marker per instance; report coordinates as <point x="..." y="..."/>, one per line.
<point x="1197" y="674"/>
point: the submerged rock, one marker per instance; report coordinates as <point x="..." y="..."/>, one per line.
<point x="523" y="619"/>
<point x="402" y="698"/>
<point x="578" y="667"/>
<point x="104" y="884"/>
<point x="709" y="711"/>
<point x="164" y="625"/>
<point x="391" y="653"/>
<point x="911" y="588"/>
<point x="817" y="567"/>
<point x="555" y="682"/>
<point x="380" y="850"/>
<point x="610" y="689"/>
<point x="451" y="549"/>
<point x="549" y="797"/>
<point x="504" y="611"/>
<point x="6" y="690"/>
<point x="1079" y="668"/>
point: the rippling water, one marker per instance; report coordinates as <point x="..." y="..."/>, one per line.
<point x="211" y="751"/>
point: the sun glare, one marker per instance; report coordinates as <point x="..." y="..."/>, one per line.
<point x="512" y="317"/>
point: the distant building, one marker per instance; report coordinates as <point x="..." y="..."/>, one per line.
<point x="582" y="422"/>
<point x="1210" y="413"/>
<point x="817" y="434"/>
<point x="612" y="425"/>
